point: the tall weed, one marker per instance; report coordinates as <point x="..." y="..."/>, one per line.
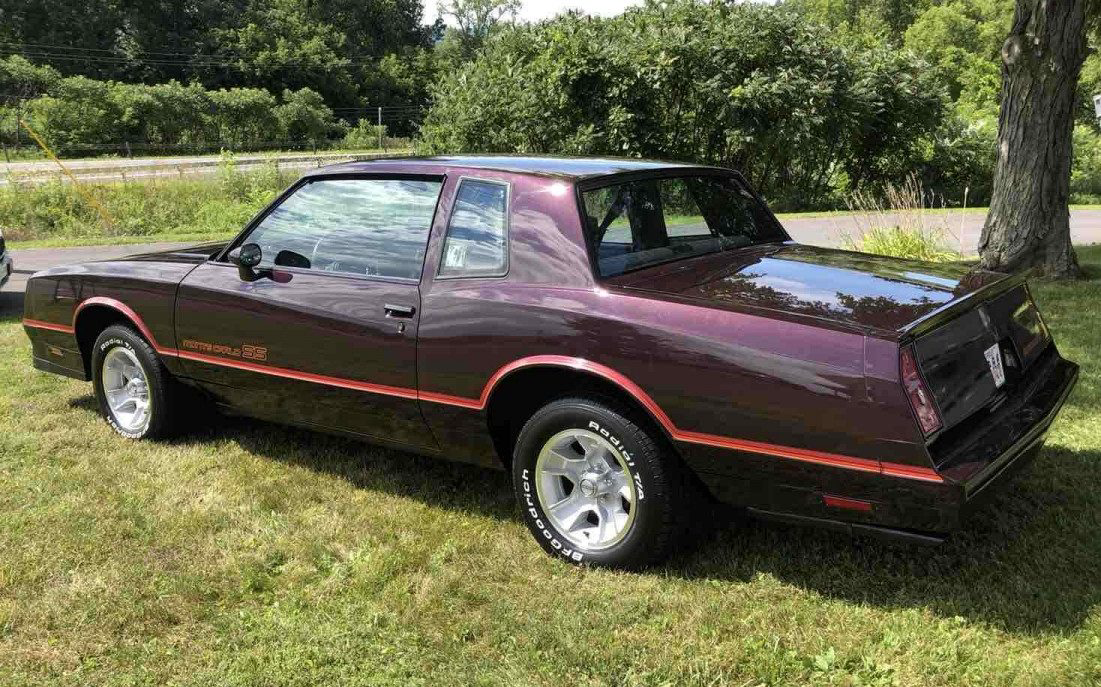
<point x="899" y="224"/>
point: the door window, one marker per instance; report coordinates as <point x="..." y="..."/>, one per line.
<point x="369" y="227"/>
<point x="477" y="243"/>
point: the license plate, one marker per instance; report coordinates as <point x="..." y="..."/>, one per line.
<point x="994" y="359"/>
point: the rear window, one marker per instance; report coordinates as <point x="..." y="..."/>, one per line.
<point x="646" y="222"/>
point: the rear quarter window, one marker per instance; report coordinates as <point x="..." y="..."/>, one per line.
<point x="476" y="243"/>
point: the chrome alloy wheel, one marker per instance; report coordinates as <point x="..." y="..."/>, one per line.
<point x="127" y="390"/>
<point x="585" y="488"/>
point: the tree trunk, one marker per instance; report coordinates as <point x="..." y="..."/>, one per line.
<point x="1028" y="226"/>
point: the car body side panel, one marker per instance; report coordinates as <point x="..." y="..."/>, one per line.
<point x="751" y="378"/>
<point x="313" y="347"/>
<point x="713" y="372"/>
<point x="146" y="288"/>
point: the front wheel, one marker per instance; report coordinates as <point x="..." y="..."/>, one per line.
<point x="132" y="386"/>
<point x="594" y="486"/>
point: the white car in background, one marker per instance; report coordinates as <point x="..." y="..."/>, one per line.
<point x="5" y="262"/>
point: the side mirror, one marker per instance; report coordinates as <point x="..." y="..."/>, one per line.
<point x="247" y="257"/>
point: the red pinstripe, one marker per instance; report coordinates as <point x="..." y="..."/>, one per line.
<point x="129" y="312"/>
<point x="38" y="324"/>
<point x="303" y="376"/>
<point x="758" y="447"/>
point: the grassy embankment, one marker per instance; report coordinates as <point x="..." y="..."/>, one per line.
<point x="57" y="214"/>
<point x="249" y="554"/>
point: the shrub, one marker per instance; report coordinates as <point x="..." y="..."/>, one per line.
<point x="304" y="116"/>
<point x="1085" y="172"/>
<point x="364" y="135"/>
<point x="959" y="162"/>
<point x="80" y="111"/>
<point x="81" y="115"/>
<point x="168" y="113"/>
<point x="243" y="115"/>
<point x="746" y="86"/>
<point x="19" y="77"/>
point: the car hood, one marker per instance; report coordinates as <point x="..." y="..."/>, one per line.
<point x="850" y="289"/>
<point x="195" y="254"/>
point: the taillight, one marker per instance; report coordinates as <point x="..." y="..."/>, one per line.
<point x="920" y="398"/>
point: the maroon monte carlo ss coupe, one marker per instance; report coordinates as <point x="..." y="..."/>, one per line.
<point x="625" y="337"/>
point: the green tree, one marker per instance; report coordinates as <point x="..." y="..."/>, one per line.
<point x="961" y="39"/>
<point x="304" y="116"/>
<point x="21" y="79"/>
<point x="333" y="47"/>
<point x="475" y="20"/>
<point x="887" y="18"/>
<point x="1089" y="85"/>
<point x="280" y="46"/>
<point x="747" y="86"/>
<point x="1028" y="226"/>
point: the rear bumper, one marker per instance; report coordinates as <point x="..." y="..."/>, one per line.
<point x="985" y="456"/>
<point x="1017" y="447"/>
<point x="974" y="463"/>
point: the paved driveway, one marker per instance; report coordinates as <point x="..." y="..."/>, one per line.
<point x="27" y="262"/>
<point x="1085" y="227"/>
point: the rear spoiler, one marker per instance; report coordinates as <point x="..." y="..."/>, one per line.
<point x="957" y="307"/>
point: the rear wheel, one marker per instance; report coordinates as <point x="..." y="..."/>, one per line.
<point x="594" y="486"/>
<point x="134" y="390"/>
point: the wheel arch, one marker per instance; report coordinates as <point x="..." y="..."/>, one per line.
<point x="96" y="314"/>
<point x="517" y="393"/>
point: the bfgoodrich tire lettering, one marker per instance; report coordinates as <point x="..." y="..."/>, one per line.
<point x="119" y="344"/>
<point x="629" y="516"/>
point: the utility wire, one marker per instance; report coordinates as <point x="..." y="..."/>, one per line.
<point x="38" y="47"/>
<point x="341" y="63"/>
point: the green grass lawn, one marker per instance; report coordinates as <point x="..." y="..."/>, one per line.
<point x="249" y="554"/>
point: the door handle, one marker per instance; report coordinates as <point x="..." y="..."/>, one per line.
<point x="399" y="310"/>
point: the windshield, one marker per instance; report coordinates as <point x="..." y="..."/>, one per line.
<point x="641" y="223"/>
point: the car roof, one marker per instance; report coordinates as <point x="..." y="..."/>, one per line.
<point x="567" y="167"/>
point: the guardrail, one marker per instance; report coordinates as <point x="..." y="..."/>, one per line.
<point x="125" y="169"/>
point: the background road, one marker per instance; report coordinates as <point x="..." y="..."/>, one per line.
<point x="821" y="231"/>
<point x="120" y="169"/>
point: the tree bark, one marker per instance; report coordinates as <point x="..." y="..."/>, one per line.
<point x="1028" y="226"/>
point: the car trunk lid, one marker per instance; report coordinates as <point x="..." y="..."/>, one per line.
<point x="855" y="290"/>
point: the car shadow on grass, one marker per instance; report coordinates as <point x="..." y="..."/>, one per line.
<point x="1026" y="564"/>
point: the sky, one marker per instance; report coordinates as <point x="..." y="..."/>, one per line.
<point x="534" y="10"/>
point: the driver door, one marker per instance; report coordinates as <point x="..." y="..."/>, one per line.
<point x="329" y="338"/>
